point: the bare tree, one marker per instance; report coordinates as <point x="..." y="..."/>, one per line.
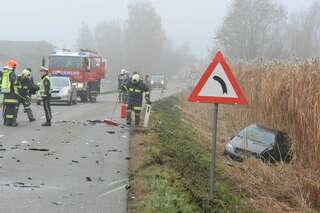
<point x="109" y="42"/>
<point x="85" y="39"/>
<point x="253" y="28"/>
<point x="304" y="33"/>
<point x="144" y="38"/>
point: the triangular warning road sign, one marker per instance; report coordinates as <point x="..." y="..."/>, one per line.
<point x="218" y="85"/>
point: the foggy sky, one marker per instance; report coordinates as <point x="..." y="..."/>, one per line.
<point x="58" y="21"/>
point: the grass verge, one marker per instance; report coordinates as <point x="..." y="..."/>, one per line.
<point x="169" y="168"/>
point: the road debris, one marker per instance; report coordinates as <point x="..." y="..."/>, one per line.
<point x="88" y="179"/>
<point x="56" y="203"/>
<point x="100" y="179"/>
<point x="75" y="161"/>
<point x="23" y="185"/>
<point x="24" y="142"/>
<point x="15" y="146"/>
<point x="40" y="150"/>
<point x="111" y="132"/>
<point x="108" y="122"/>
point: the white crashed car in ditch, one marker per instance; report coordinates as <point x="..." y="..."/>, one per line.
<point x="63" y="91"/>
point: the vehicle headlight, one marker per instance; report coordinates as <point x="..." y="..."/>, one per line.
<point x="152" y="82"/>
<point x="162" y="82"/>
<point x="65" y="91"/>
<point x="229" y="147"/>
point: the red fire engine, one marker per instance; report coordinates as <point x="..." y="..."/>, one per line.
<point x="85" y="69"/>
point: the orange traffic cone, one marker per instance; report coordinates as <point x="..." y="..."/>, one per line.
<point x="123" y="110"/>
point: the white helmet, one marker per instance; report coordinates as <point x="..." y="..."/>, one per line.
<point x="123" y="71"/>
<point x="135" y="78"/>
<point x="25" y="73"/>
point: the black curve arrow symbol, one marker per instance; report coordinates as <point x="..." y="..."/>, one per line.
<point x="222" y="83"/>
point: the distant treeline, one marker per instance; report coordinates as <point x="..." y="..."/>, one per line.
<point x="137" y="44"/>
<point x="263" y="28"/>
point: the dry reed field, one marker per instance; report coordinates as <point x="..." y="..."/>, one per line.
<point x="284" y="96"/>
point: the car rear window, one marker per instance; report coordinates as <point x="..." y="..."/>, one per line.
<point x="258" y="134"/>
<point x="157" y="77"/>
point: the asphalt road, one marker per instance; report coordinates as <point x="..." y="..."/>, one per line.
<point x="83" y="167"/>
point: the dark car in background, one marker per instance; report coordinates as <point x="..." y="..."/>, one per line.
<point x="158" y="82"/>
<point x="267" y="144"/>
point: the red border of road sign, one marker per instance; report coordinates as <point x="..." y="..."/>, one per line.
<point x="194" y="97"/>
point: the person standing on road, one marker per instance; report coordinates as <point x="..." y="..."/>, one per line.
<point x="123" y="79"/>
<point x="135" y="88"/>
<point x="10" y="101"/>
<point x="45" y="93"/>
<point x="25" y="88"/>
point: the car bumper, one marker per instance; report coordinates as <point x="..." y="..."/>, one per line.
<point x="56" y="98"/>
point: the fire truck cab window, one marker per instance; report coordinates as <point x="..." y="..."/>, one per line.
<point x="87" y="64"/>
<point x="69" y="62"/>
<point x="95" y="62"/>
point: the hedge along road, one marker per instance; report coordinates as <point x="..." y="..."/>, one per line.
<point x="73" y="166"/>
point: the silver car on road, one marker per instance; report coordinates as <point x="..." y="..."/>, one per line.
<point x="63" y="91"/>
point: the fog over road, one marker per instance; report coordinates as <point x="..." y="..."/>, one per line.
<point x="84" y="170"/>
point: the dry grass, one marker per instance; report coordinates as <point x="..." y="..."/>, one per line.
<point x="284" y="96"/>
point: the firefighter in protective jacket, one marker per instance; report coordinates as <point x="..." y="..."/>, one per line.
<point x="135" y="88"/>
<point x="8" y="89"/>
<point x="25" y="89"/>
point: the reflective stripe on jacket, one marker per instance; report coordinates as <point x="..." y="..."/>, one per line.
<point x="136" y="91"/>
<point x="6" y="83"/>
<point x="42" y="86"/>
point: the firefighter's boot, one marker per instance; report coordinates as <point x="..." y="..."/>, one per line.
<point x="129" y="119"/>
<point x="137" y="118"/>
<point x="29" y="114"/>
<point x="10" y="116"/>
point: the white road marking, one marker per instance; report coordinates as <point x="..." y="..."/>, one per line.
<point x="113" y="190"/>
<point x="1" y="136"/>
<point x="53" y="187"/>
<point x="118" y="181"/>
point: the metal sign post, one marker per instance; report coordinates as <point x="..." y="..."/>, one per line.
<point x="218" y="86"/>
<point x="212" y="178"/>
